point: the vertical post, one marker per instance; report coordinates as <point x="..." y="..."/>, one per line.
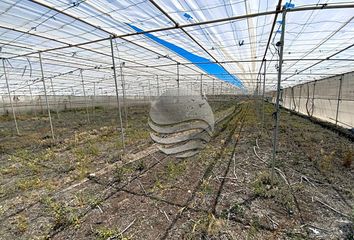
<point x="30" y="91"/>
<point x="277" y="113"/>
<point x="83" y="89"/>
<point x="94" y="97"/>
<point x="46" y="97"/>
<point x="213" y="85"/>
<point x="339" y="97"/>
<point x="144" y="97"/>
<point x="117" y="95"/>
<point x="8" y="91"/>
<point x="158" y="85"/>
<point x="298" y="107"/>
<point x="55" y="98"/>
<point x="201" y="84"/>
<point x="3" y="105"/>
<point x="149" y="89"/>
<point x="70" y="97"/>
<point x="313" y="98"/>
<point x="263" y="90"/>
<point x="123" y="91"/>
<point x="177" y="74"/>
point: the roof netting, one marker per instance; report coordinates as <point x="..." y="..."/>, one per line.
<point x="156" y="42"/>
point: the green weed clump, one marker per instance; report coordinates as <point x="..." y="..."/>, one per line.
<point x="235" y="211"/>
<point x="62" y="214"/>
<point x="104" y="233"/>
<point x="261" y="187"/>
<point x="175" y="169"/>
<point x="206" y="227"/>
<point x="281" y="193"/>
<point x="21" y="224"/>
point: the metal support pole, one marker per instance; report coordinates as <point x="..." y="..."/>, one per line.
<point x="313" y="98"/>
<point x="123" y="91"/>
<point x="277" y="113"/>
<point x="149" y="89"/>
<point x="178" y="75"/>
<point x="46" y="97"/>
<point x="298" y="107"/>
<point x="201" y="84"/>
<point x="30" y="91"/>
<point x="263" y="90"/>
<point x="94" y="97"/>
<point x="55" y="98"/>
<point x="3" y="104"/>
<point x="339" y="97"/>
<point x="70" y="98"/>
<point x="213" y="85"/>
<point x="8" y="91"/>
<point x="83" y="89"/>
<point x="158" y="85"/>
<point x="117" y="94"/>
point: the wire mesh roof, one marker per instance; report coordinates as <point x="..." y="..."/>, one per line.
<point x="156" y="42"/>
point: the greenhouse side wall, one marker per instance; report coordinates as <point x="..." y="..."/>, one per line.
<point x="330" y="99"/>
<point x="28" y="104"/>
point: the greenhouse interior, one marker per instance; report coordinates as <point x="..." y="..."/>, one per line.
<point x="176" y="119"/>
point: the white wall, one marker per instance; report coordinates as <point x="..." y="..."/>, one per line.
<point x="321" y="98"/>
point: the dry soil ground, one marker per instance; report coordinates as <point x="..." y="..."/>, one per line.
<point x="83" y="186"/>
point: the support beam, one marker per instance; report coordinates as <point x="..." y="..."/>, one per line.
<point x="46" y="97"/>
<point x="263" y="90"/>
<point x="201" y="85"/>
<point x="158" y="85"/>
<point x="10" y="99"/>
<point x="339" y="97"/>
<point x="123" y="91"/>
<point x="239" y="17"/>
<point x="83" y="89"/>
<point x="277" y="113"/>
<point x="55" y="98"/>
<point x="35" y="109"/>
<point x="117" y="94"/>
<point x="177" y="75"/>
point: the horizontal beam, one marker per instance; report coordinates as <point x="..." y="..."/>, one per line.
<point x="240" y="17"/>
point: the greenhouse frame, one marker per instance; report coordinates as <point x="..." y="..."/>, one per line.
<point x="81" y="157"/>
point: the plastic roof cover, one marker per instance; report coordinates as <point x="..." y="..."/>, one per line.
<point x="160" y="57"/>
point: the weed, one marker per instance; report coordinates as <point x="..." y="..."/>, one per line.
<point x="27" y="184"/>
<point x="206" y="226"/>
<point x="119" y="172"/>
<point x="175" y="169"/>
<point x="262" y="185"/>
<point x="104" y="233"/>
<point x="205" y="188"/>
<point x="62" y="214"/>
<point x="158" y="185"/>
<point x="21" y="224"/>
<point x="234" y="212"/>
<point x="253" y="230"/>
<point x="284" y="197"/>
<point x="94" y="201"/>
<point x="141" y="166"/>
<point x="92" y="149"/>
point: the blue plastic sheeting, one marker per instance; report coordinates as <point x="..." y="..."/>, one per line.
<point x="206" y="65"/>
